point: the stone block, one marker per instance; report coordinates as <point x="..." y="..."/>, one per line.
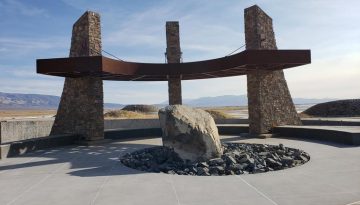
<point x="173" y="55"/>
<point x="269" y="100"/>
<point x="81" y="106"/>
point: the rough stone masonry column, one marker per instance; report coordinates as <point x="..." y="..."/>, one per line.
<point x="269" y="99"/>
<point x="173" y="55"/>
<point x="81" y="105"/>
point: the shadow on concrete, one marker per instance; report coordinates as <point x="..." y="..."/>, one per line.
<point x="100" y="160"/>
<point x="92" y="161"/>
<point x="333" y="144"/>
<point x="226" y="139"/>
<point x="294" y="138"/>
<point x="232" y="138"/>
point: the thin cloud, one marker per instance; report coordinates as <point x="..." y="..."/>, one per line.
<point x="200" y="39"/>
<point x="15" y="6"/>
<point x="336" y="77"/>
<point x="135" y="92"/>
<point x="31" y="43"/>
<point x="15" y="47"/>
<point x="51" y="86"/>
<point x="214" y="87"/>
<point x="141" y="28"/>
<point x="18" y="71"/>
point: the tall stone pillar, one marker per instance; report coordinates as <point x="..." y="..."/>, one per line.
<point x="173" y="55"/>
<point x="81" y="106"/>
<point x="269" y="99"/>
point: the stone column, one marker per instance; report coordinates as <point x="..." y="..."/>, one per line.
<point x="81" y="106"/>
<point x="173" y="55"/>
<point x="269" y="99"/>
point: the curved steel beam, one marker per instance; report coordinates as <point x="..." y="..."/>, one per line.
<point x="237" y="64"/>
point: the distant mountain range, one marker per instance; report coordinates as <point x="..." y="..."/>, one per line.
<point x="15" y="100"/>
<point x="35" y="101"/>
<point x="224" y="100"/>
<point x="241" y="100"/>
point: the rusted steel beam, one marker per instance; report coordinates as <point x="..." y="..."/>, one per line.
<point x="110" y="69"/>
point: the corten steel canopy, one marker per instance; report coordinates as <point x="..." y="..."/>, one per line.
<point x="110" y="69"/>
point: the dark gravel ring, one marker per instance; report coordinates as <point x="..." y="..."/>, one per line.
<point x="238" y="158"/>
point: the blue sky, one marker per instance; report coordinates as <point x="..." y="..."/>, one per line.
<point x="135" y="31"/>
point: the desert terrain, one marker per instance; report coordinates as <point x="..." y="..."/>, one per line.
<point x="230" y="111"/>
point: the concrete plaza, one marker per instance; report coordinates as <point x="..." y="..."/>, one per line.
<point x="94" y="175"/>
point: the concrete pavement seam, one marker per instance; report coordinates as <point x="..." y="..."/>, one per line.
<point x="257" y="190"/>
<point x="40" y="182"/>
<point x="174" y="189"/>
<point x="104" y="182"/>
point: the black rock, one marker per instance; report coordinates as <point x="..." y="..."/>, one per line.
<point x="213" y="171"/>
<point x="301" y="157"/>
<point x="287" y="160"/>
<point x="250" y="161"/>
<point x="297" y="162"/>
<point x="243" y="158"/>
<point x="272" y="163"/>
<point x="264" y="154"/>
<point x="221" y="170"/>
<point x="281" y="146"/>
<point x="275" y="156"/>
<point x="280" y="152"/>
<point x="194" y="170"/>
<point x="171" y="172"/>
<point x="230" y="160"/>
<point x="154" y="169"/>
<point x="179" y="172"/>
<point x="236" y="154"/>
<point x="238" y="172"/>
<point x="238" y="158"/>
<point x="216" y="161"/>
<point x="216" y="170"/>
<point x="203" y="171"/>
<point x="202" y="164"/>
<point x="229" y="172"/>
<point x="237" y="167"/>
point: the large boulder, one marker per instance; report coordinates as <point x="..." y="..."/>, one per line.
<point x="192" y="133"/>
<point x="339" y="108"/>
